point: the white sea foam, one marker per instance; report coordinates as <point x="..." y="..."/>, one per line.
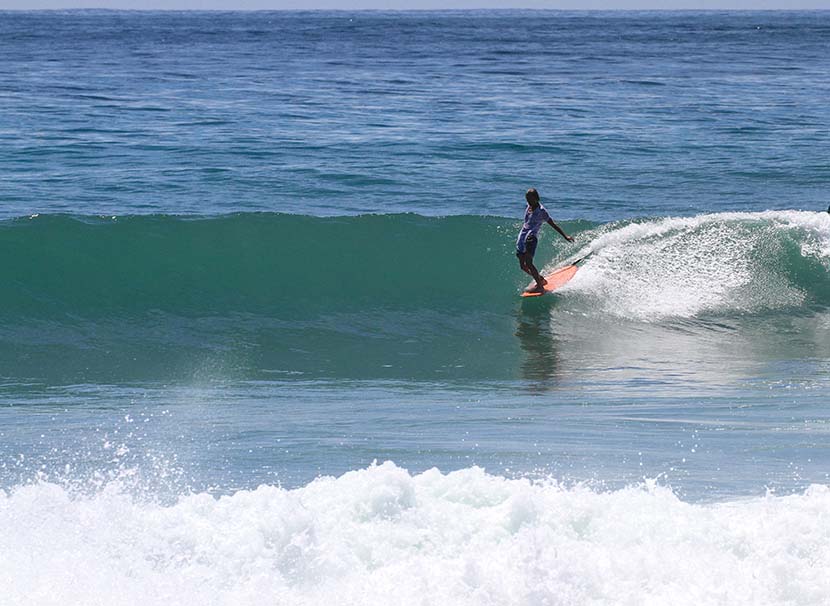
<point x="382" y="536"/>
<point x="682" y="267"/>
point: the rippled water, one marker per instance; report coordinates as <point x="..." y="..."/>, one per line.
<point x="260" y="333"/>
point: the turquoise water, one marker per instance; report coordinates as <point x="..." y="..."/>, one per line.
<point x="260" y="332"/>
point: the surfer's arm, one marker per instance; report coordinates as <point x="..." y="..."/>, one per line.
<point x="559" y="229"/>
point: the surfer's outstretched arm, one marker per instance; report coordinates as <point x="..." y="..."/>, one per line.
<point x="559" y="229"/>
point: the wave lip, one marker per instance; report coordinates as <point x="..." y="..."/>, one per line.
<point x="724" y="263"/>
<point x="465" y="537"/>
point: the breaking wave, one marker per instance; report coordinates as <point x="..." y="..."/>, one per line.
<point x="156" y="296"/>
<point x="381" y="535"/>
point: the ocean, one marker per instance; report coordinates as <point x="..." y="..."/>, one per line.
<point x="260" y="333"/>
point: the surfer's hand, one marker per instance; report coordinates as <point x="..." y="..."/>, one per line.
<point x="569" y="238"/>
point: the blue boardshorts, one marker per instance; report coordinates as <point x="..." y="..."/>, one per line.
<point x="530" y="247"/>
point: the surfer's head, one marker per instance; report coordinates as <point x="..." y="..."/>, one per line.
<point x="532" y="197"/>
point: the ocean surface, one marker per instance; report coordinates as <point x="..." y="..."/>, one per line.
<point x="260" y="333"/>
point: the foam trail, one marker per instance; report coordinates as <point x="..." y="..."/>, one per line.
<point x="381" y="535"/>
<point x="717" y="263"/>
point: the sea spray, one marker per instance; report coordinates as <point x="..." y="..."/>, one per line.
<point x="381" y="534"/>
<point x="727" y="264"/>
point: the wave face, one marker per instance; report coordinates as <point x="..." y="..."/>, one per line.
<point x="149" y="295"/>
<point x="285" y="266"/>
<point x="461" y="538"/>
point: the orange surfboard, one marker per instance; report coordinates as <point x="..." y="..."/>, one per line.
<point x="556" y="279"/>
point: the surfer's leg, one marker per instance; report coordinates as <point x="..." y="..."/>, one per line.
<point x="523" y="262"/>
<point x="530" y="245"/>
<point x="540" y="281"/>
<point x="526" y="257"/>
<point x="526" y="263"/>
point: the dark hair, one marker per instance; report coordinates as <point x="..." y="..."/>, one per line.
<point x="532" y="194"/>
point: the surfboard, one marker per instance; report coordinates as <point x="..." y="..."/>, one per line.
<point x="556" y="279"/>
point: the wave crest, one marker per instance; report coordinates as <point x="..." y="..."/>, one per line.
<point x="730" y="263"/>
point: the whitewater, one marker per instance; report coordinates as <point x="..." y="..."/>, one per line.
<point x="261" y="338"/>
<point x="639" y="463"/>
<point x="382" y="535"/>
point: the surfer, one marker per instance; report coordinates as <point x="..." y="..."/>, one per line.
<point x="535" y="216"/>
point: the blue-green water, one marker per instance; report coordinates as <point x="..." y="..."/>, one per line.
<point x="260" y="333"/>
<point x="610" y="115"/>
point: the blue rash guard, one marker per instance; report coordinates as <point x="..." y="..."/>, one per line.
<point x="534" y="219"/>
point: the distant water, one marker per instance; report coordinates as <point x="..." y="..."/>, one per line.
<point x="260" y="338"/>
<point x="611" y="115"/>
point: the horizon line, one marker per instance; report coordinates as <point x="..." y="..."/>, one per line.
<point x="413" y="10"/>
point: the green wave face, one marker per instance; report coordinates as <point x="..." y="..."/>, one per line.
<point x="378" y="296"/>
<point x="282" y="266"/>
